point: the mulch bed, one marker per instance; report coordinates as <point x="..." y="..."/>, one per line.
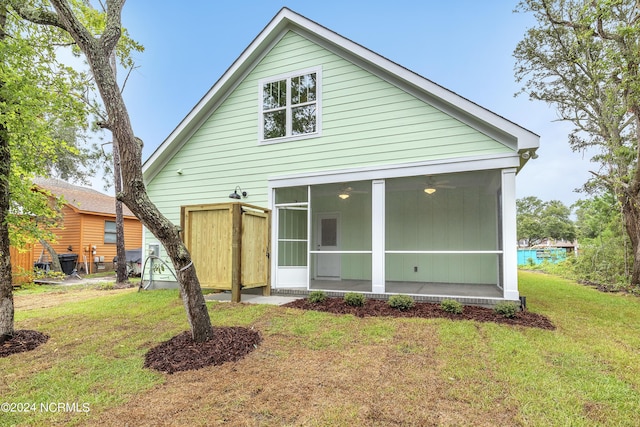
<point x="22" y="340"/>
<point x="424" y="310"/>
<point x="181" y="353"/>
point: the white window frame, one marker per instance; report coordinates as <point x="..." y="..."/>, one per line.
<point x="288" y="107"/>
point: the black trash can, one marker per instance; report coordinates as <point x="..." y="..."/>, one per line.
<point x="68" y="262"/>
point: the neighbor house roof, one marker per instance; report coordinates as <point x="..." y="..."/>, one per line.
<point x="503" y="130"/>
<point x="81" y="199"/>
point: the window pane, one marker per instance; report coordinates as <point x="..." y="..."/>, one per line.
<point x="275" y="124"/>
<point x="109" y="227"/>
<point x="329" y="232"/>
<point x="303" y="89"/>
<point x="291" y="194"/>
<point x="304" y="119"/>
<point x="274" y="95"/>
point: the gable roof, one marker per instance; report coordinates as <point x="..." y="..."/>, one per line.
<point x="81" y="199"/>
<point x="499" y="128"/>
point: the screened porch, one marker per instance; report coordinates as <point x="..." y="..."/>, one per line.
<point x="423" y="235"/>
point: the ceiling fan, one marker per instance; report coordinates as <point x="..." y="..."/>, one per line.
<point x="432" y="185"/>
<point x="347" y="191"/>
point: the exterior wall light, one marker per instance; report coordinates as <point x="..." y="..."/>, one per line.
<point x="235" y="195"/>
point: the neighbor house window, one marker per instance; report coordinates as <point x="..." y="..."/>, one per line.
<point x="110" y="232"/>
<point x="290" y="105"/>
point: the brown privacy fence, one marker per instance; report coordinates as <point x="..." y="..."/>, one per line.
<point x="21" y="265"/>
<point x="229" y="245"/>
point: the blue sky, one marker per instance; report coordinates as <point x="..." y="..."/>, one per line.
<point x="465" y="46"/>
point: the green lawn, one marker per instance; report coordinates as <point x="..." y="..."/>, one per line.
<point x="320" y="369"/>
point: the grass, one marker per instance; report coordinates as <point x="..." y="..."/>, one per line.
<point x="317" y="369"/>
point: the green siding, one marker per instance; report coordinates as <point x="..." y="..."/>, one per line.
<point x="366" y="121"/>
<point x="369" y="120"/>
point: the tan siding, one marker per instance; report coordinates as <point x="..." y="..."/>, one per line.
<point x="82" y="231"/>
<point x="68" y="234"/>
<point x="94" y="236"/>
<point x="21" y="264"/>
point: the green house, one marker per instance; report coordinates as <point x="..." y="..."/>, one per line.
<point x="378" y="180"/>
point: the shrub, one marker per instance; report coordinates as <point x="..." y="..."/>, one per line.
<point x="506" y="308"/>
<point x="401" y="302"/>
<point x="451" y="306"/>
<point x="354" y="299"/>
<point x="317" y="296"/>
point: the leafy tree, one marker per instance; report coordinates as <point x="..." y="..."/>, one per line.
<point x="98" y="50"/>
<point x="43" y="115"/>
<point x="583" y="57"/>
<point x="530" y="227"/>
<point x="557" y="222"/>
<point x="37" y="94"/>
<point x="604" y="245"/>
<point x="538" y="220"/>
<point x="596" y="215"/>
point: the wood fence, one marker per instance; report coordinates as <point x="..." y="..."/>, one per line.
<point x="21" y="265"/>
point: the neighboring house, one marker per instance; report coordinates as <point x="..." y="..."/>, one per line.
<point x="378" y="180"/>
<point x="88" y="227"/>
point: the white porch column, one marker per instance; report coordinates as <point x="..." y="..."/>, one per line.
<point x="377" y="237"/>
<point x="509" y="235"/>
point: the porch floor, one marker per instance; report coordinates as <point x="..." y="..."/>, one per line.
<point x="467" y="293"/>
<point x="414" y="288"/>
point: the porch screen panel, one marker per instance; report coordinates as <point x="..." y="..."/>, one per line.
<point x="439" y="227"/>
<point x="292" y="237"/>
<point x="347" y="208"/>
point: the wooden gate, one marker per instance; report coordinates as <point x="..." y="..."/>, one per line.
<point x="229" y="245"/>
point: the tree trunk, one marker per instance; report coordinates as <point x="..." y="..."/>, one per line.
<point x="6" y="287"/>
<point x="631" y="215"/>
<point x="55" y="261"/>
<point x="121" y="268"/>
<point x="121" y="255"/>
<point x="98" y="52"/>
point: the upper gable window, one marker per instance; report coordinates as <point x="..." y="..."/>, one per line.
<point x="290" y="106"/>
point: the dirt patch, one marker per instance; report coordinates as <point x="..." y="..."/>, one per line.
<point x="60" y="296"/>
<point x="424" y="310"/>
<point x="22" y="340"/>
<point x="367" y="382"/>
<point x="182" y="353"/>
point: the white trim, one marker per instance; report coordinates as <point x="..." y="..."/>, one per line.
<point x="317" y="70"/>
<point x="443" y="252"/>
<point x="378" y="230"/>
<point x="340" y="252"/>
<point x="509" y="236"/>
<point x="292" y="277"/>
<point x="367" y="173"/>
